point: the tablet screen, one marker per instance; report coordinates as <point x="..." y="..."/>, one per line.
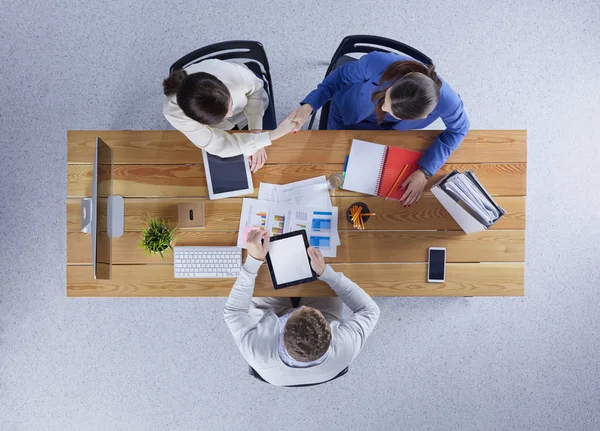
<point x="289" y="260"/>
<point x="227" y="174"/>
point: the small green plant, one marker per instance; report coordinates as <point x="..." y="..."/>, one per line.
<point x="157" y="237"/>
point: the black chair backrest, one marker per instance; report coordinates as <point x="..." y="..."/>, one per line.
<point x="361" y="43"/>
<point x="259" y="377"/>
<point x="233" y="49"/>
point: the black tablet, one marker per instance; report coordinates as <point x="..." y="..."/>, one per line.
<point x="288" y="260"/>
<point x="227" y="177"/>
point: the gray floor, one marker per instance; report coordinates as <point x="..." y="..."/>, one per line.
<point x="527" y="363"/>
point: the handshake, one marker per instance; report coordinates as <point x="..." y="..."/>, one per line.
<point x="293" y="122"/>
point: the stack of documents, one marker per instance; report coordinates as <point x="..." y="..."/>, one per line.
<point x="467" y="201"/>
<point x="290" y="207"/>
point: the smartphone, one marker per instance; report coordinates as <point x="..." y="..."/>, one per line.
<point x="436" y="265"/>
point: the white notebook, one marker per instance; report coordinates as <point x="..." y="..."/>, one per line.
<point x="365" y="166"/>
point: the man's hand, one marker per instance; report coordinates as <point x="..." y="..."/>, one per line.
<point x="415" y="184"/>
<point x="302" y="116"/>
<point x="316" y="260"/>
<point x="257" y="160"/>
<point x="258" y="244"/>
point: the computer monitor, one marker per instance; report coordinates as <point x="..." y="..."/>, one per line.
<point x="101" y="191"/>
<point x="102" y="215"/>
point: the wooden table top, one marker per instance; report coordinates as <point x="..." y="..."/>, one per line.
<point x="155" y="170"/>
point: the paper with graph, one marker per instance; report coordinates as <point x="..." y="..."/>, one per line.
<point x="321" y="224"/>
<point x="311" y="192"/>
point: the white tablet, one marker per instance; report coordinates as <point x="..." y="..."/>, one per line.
<point x="227" y="177"/>
<point x="288" y="260"/>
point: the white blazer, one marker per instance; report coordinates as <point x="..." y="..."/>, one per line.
<point x="250" y="100"/>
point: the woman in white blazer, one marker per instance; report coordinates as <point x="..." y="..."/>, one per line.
<point x="211" y="96"/>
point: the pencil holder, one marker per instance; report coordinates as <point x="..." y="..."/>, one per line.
<point x="364" y="210"/>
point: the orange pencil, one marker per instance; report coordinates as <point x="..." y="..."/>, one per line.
<point x="396" y="183"/>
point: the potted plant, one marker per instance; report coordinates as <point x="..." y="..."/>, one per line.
<point x="157" y="236"/>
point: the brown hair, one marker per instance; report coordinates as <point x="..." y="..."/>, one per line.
<point x="415" y="90"/>
<point x="306" y="335"/>
<point x="201" y="96"/>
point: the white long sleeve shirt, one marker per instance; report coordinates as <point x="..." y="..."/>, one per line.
<point x="249" y="102"/>
<point x="259" y="341"/>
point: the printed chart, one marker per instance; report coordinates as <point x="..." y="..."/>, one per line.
<point x="279" y="224"/>
<point x="279" y="218"/>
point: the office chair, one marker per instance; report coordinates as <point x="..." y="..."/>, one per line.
<point x="257" y="376"/>
<point x="363" y="44"/>
<point x="249" y="50"/>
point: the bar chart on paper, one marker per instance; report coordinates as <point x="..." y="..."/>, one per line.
<point x="262" y="219"/>
<point x="320" y="230"/>
<point x="320" y="224"/>
<point x="320" y="242"/>
<point x="279" y="224"/>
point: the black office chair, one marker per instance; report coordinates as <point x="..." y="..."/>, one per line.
<point x="241" y="50"/>
<point x="257" y="376"/>
<point x="363" y="44"/>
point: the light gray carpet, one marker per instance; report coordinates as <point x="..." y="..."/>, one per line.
<point x="527" y="363"/>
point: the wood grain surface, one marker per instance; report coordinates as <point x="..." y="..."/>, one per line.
<point x="428" y="214"/>
<point x="357" y="246"/>
<point x="308" y="147"/>
<point x="156" y="170"/>
<point x="403" y="279"/>
<point x="190" y="180"/>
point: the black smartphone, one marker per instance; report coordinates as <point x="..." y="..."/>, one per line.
<point x="436" y="266"/>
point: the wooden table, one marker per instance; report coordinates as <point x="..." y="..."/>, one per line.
<point x="155" y="170"/>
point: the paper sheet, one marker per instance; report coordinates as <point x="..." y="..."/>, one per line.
<point x="268" y="192"/>
<point x="311" y="192"/>
<point x="321" y="224"/>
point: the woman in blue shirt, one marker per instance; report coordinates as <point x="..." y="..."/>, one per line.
<point x="392" y="91"/>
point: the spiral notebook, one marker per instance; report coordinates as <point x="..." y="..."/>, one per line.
<point x="374" y="168"/>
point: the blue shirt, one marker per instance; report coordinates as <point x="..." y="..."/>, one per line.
<point x="350" y="89"/>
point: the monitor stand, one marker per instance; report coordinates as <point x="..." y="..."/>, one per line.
<point x="115" y="216"/>
<point x="86" y="215"/>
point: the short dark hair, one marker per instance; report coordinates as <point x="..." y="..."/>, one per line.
<point x="306" y="335"/>
<point x="201" y="96"/>
<point x="414" y="90"/>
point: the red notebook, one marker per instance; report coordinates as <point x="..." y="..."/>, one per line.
<point x="373" y="168"/>
<point x="395" y="160"/>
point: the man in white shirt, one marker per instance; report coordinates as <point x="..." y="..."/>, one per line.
<point x="307" y="345"/>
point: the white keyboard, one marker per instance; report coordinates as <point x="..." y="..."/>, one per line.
<point x="207" y="262"/>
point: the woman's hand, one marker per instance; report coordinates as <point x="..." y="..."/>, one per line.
<point x="285" y="127"/>
<point x="257" y="160"/>
<point x="302" y="116"/>
<point x="415" y="184"/>
<point x="316" y="260"/>
<point x="257" y="244"/>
